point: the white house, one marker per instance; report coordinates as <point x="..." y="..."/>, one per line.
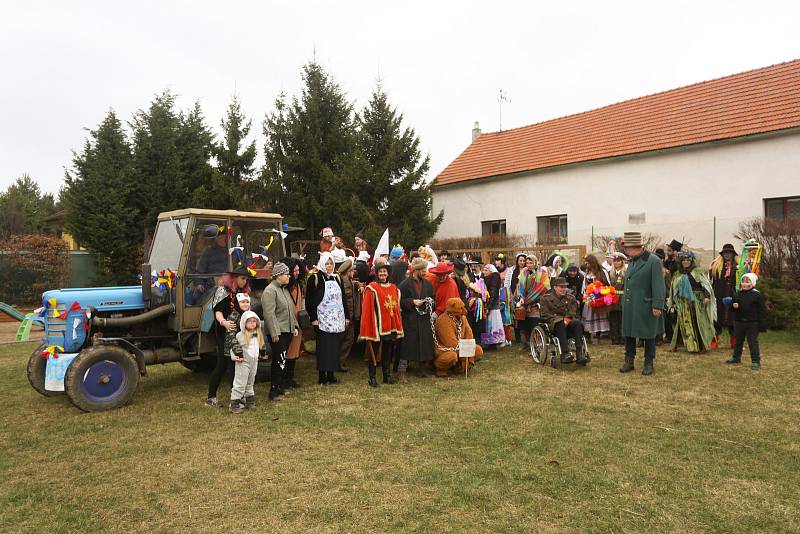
<point x="691" y="163"/>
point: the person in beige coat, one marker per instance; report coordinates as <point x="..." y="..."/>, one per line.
<point x="281" y="324"/>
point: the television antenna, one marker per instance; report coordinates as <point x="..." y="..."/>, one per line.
<point x="502" y="97"/>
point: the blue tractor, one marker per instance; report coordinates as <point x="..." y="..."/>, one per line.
<point x="116" y="332"/>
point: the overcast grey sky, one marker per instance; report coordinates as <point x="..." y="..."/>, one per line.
<point x="65" y="63"/>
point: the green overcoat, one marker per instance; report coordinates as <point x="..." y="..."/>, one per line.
<point x="644" y="291"/>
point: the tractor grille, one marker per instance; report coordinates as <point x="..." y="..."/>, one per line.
<point x="55" y="327"/>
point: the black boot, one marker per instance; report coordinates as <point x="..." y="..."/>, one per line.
<point x="323" y="377"/>
<point x="734" y="359"/>
<point x="567" y="358"/>
<point x="648" y="367"/>
<point x="332" y="378"/>
<point x="373" y="382"/>
<point x="627" y="367"/>
<point x="386" y="367"/>
<point x="250" y="402"/>
<point x="276" y="371"/>
<point x="288" y="375"/>
<point x="275" y="393"/>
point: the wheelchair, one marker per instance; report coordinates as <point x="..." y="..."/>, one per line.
<point x="546" y="348"/>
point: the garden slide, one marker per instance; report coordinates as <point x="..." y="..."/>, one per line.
<point x="14" y="313"/>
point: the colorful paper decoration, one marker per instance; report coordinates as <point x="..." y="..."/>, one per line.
<point x="163" y="280"/>
<point x="599" y="296"/>
<point x="76" y="306"/>
<point x="749" y="260"/>
<point x="612" y="246"/>
<point x="53" y="305"/>
<point x="52" y="351"/>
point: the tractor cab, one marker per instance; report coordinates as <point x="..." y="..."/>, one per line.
<point x="193" y="248"/>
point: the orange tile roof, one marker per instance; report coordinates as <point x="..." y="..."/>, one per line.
<point x="753" y="102"/>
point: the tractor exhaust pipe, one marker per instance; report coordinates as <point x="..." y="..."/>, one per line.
<point x="103" y="322"/>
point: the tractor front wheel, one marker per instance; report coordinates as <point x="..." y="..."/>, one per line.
<point x="103" y="377"/>
<point x="36" y="370"/>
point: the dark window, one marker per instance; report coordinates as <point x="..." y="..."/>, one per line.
<point x="782" y="209"/>
<point x="493" y="227"/>
<point x="552" y="229"/>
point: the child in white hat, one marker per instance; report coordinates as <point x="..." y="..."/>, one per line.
<point x="749" y="318"/>
<point x="251" y="340"/>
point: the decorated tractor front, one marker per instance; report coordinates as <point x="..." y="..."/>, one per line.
<point x="99" y="341"/>
<point x="95" y="376"/>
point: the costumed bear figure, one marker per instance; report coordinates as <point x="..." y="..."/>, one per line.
<point x="450" y="327"/>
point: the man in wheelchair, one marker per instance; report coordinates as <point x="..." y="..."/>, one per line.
<point x="559" y="309"/>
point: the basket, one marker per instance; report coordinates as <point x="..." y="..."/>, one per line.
<point x="602" y="309"/>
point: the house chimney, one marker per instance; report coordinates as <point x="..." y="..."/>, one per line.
<point x="476" y="131"/>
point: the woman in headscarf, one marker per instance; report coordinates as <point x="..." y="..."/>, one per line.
<point x="556" y="264"/>
<point x="325" y="306"/>
<point x="574" y="277"/>
<point x="533" y="283"/>
<point x="510" y="283"/>
<point x="693" y="298"/>
<point x="506" y="311"/>
<point x="495" y="333"/>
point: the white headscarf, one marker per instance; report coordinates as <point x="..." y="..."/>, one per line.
<point x="323" y="259"/>
<point x="491" y="267"/>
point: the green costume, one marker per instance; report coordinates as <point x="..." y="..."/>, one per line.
<point x="644" y="292"/>
<point x="693" y="298"/>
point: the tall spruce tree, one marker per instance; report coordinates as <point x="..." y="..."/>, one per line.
<point x="171" y="153"/>
<point x="157" y="172"/>
<point x="98" y="196"/>
<point x="308" y="150"/>
<point x="396" y="174"/>
<point x="231" y="185"/>
<point x="195" y="144"/>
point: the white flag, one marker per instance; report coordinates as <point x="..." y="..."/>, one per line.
<point x="383" y="245"/>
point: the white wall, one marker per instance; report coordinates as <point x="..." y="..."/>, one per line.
<point x="680" y="192"/>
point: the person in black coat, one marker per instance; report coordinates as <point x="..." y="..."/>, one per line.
<point x="749" y="318"/>
<point x="417" y="301"/>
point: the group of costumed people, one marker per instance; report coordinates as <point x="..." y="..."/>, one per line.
<point x="421" y="309"/>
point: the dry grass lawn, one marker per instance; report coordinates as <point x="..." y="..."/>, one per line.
<point x="516" y="447"/>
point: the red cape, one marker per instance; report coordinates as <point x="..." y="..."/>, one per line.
<point x="380" y="312"/>
<point x="444" y="291"/>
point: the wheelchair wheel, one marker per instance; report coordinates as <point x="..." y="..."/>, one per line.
<point x="539" y="345"/>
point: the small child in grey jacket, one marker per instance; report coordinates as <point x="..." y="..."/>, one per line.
<point x="251" y="341"/>
<point x="232" y="346"/>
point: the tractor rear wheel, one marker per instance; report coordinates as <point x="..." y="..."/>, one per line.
<point x="36" y="369"/>
<point x="103" y="377"/>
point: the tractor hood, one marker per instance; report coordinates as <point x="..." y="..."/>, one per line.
<point x="102" y="299"/>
